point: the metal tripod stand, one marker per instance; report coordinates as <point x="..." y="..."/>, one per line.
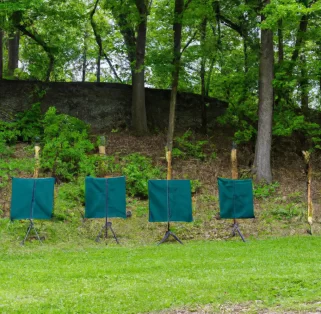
<point x="167" y="234"/>
<point x="31" y="226"/>
<point x="106" y="226"/>
<point x="236" y="229"/>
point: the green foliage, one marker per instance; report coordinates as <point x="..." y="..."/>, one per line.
<point x="29" y="123"/>
<point x="5" y="150"/>
<point x="264" y="190"/>
<point x="287" y="211"/>
<point x="242" y="118"/>
<point x="66" y="143"/>
<point x="195" y="186"/>
<point x="12" y="167"/>
<point x="138" y="169"/>
<point x="189" y="147"/>
<point x="70" y="200"/>
<point x="9" y="132"/>
<point x="141" y="211"/>
<point x="25" y="127"/>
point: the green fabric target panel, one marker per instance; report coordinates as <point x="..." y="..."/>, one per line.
<point x="170" y="200"/>
<point x="32" y="198"/>
<point x="105" y="197"/>
<point x="236" y="198"/>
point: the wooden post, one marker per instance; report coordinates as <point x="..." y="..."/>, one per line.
<point x="235" y="173"/>
<point x="102" y="146"/>
<point x="169" y="164"/>
<point x="37" y="158"/>
<point x="307" y="159"/>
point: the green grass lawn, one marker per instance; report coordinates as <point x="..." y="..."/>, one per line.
<point x="275" y="274"/>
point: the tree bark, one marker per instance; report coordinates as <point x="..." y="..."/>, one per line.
<point x="1" y="54"/>
<point x="84" y="59"/>
<point x="264" y="136"/>
<point x="139" y="119"/>
<point x="280" y="42"/>
<point x="304" y="86"/>
<point x="98" y="66"/>
<point x="13" y="52"/>
<point x="177" y="28"/>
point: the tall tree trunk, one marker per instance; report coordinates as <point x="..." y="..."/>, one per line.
<point x="177" y="28"/>
<point x="50" y="67"/>
<point x="139" y="120"/>
<point x="13" y="52"/>
<point x="246" y="56"/>
<point x="304" y="86"/>
<point x="202" y="74"/>
<point x="98" y="66"/>
<point x="264" y="136"/>
<point x="1" y="54"/>
<point x="280" y="42"/>
<point x="84" y="59"/>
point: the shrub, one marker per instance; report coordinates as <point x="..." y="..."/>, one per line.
<point x="29" y="123"/>
<point x="66" y="143"/>
<point x="264" y="190"/>
<point x="9" y="133"/>
<point x="187" y="147"/>
<point x="138" y="170"/>
<point x="70" y="195"/>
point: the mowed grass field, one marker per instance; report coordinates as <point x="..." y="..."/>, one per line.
<point x="272" y="275"/>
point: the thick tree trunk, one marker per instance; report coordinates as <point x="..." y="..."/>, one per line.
<point x="139" y="120"/>
<point x="264" y="136"/>
<point x="13" y="52"/>
<point x="177" y="28"/>
<point x="1" y="54"/>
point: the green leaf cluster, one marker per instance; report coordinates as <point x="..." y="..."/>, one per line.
<point x="66" y="143"/>
<point x="186" y="146"/>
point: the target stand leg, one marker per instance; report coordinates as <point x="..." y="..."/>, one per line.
<point x="31" y="226"/>
<point x="236" y="229"/>
<point x="106" y="226"/>
<point x="167" y="234"/>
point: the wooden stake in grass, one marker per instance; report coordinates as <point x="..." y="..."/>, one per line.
<point x="307" y="159"/>
<point x="102" y="146"/>
<point x="235" y="176"/>
<point x="102" y="153"/>
<point x="169" y="164"/>
<point x="37" y="159"/>
<point x="235" y="173"/>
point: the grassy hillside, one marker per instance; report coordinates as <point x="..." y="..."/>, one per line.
<point x="280" y="208"/>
